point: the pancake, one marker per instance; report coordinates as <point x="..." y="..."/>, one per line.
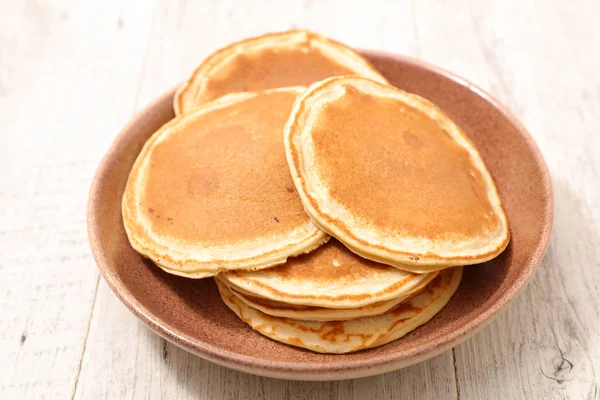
<point x="294" y="58"/>
<point x="210" y="191"/>
<point x="309" y="313"/>
<point x="392" y="177"/>
<point x="356" y="334"/>
<point x="330" y="277"/>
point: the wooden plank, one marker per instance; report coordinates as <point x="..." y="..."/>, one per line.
<point x="140" y="364"/>
<point x="539" y="61"/>
<point x="64" y="73"/>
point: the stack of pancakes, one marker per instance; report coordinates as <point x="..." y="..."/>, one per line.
<point x="334" y="210"/>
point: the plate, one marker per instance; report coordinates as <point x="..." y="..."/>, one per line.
<point x="190" y="313"/>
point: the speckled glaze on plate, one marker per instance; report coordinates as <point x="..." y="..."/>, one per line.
<point x="191" y="314"/>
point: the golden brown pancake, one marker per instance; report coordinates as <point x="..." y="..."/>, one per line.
<point x="330" y="277"/>
<point x="356" y="334"/>
<point x="210" y="191"/>
<point x="294" y="58"/>
<point x="310" y="313"/>
<point x="392" y="177"/>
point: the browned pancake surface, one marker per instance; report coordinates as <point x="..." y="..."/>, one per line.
<point x="330" y="263"/>
<point x="389" y="163"/>
<point x="224" y="178"/>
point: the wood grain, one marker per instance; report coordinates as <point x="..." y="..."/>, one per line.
<point x="61" y="68"/>
<point x="72" y="73"/>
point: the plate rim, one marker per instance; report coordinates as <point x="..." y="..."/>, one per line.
<point x="345" y="369"/>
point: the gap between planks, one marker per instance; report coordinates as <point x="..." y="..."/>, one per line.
<point x="87" y="334"/>
<point x="455" y="371"/>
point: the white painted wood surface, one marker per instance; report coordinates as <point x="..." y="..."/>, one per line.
<point x="72" y="73"/>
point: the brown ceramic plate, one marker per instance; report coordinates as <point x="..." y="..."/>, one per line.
<point x="190" y="313"/>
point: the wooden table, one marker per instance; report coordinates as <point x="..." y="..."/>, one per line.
<point x="72" y="73"/>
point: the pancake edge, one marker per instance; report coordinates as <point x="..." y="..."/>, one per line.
<point x="324" y="314"/>
<point x="254" y="287"/>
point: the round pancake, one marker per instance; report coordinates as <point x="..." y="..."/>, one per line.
<point x="356" y="334"/>
<point x="210" y="191"/>
<point x="392" y="177"/>
<point x="330" y="277"/>
<point x="294" y="58"/>
<point x="308" y="313"/>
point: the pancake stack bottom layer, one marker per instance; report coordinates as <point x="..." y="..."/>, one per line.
<point x="334" y="301"/>
<point x="349" y="335"/>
